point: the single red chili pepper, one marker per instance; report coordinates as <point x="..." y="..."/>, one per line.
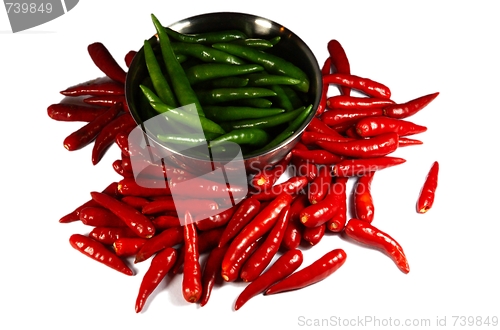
<point x="111" y="189"/>
<point x="255" y="229"/>
<point x="107" y="101"/>
<point x="129" y="57"/>
<point x="426" y="197"/>
<point x="364" y="85"/>
<point x="336" y="117"/>
<point x="106" y="137"/>
<point x="318" y="126"/>
<point x="128" y="246"/>
<point x="96" y="88"/>
<point x="370" y="235"/>
<point x="97" y="251"/>
<point x="352" y="102"/>
<point x="167" y="238"/>
<point x="218" y="220"/>
<point x="103" y="59"/>
<point x="293" y="232"/>
<point x="364" y="209"/>
<point x="377" y="146"/>
<point x="270" y="174"/>
<point x="162" y="222"/>
<point x="158" y="269"/>
<point x="291" y="186"/>
<point x="136" y="221"/>
<point x="244" y="213"/>
<point x="129" y="187"/>
<point x="316" y="156"/>
<point x="351" y="133"/>
<point x="280" y="269"/>
<point x="404" y="142"/>
<point x="356" y="167"/>
<point x="109" y="235"/>
<point x="195" y="206"/>
<point x="134" y="201"/>
<point x="121" y="140"/>
<point x="234" y="270"/>
<point x="127" y="166"/>
<point x="264" y="254"/>
<point x="191" y="281"/>
<point x="404" y="110"/>
<point x="313" y="273"/>
<point x="320" y="186"/>
<point x="86" y="134"/>
<point x="319" y="213"/>
<point x="74" y="112"/>
<point x="373" y="126"/>
<point x="313" y="235"/>
<point x="310" y="138"/>
<point x="325" y="69"/>
<point x="340" y="62"/>
<point x="211" y="271"/>
<point x="339" y="190"/>
<point x="117" y="166"/>
<point x="198" y="187"/>
<point x="99" y="217"/>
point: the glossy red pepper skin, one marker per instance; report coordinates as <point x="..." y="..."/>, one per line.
<point x="304" y="168"/>
<point x="195" y="206"/>
<point x="218" y="220"/>
<point x="191" y="281"/>
<point x="316" y="156"/>
<point x="339" y="195"/>
<point x="280" y="269"/>
<point x="325" y="69"/>
<point x="313" y="273"/>
<point x="99" y="217"/>
<point x="291" y="186"/>
<point x="337" y="117"/>
<point x="128" y="246"/>
<point x="377" y="146"/>
<point x="313" y="235"/>
<point x="98" y="252"/>
<point x="103" y="59"/>
<point x="426" y="198"/>
<point x="404" y="110"/>
<point x="356" y="167"/>
<point x="74" y="112"/>
<point x="264" y="254"/>
<point x="211" y="271"/>
<point x="98" y="87"/>
<point x="106" y="101"/>
<point x="352" y="102"/>
<point x="129" y="187"/>
<point x="86" y="134"/>
<point x="136" y="221"/>
<point x="109" y="235"/>
<point x="319" y="213"/>
<point x="310" y="138"/>
<point x="364" y="208"/>
<point x="158" y="269"/>
<point x="129" y="57"/>
<point x="270" y="174"/>
<point x="162" y="222"/>
<point x="293" y="232"/>
<point x="198" y="187"/>
<point x="117" y="166"/>
<point x="254" y="230"/>
<point x="244" y="213"/>
<point x="134" y="201"/>
<point x="372" y="126"/>
<point x="404" y="142"/>
<point x="365" y="233"/>
<point x="318" y="126"/>
<point x="340" y="62"/>
<point x="320" y="186"/>
<point x="364" y="85"/>
<point x="167" y="238"/>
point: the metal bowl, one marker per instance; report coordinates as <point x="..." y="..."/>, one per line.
<point x="290" y="47"/>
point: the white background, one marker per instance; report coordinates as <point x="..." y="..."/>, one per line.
<point x="416" y="48"/>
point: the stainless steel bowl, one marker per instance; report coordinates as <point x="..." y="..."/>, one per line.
<point x="290" y="47"/>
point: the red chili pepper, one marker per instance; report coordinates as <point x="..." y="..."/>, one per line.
<point x="129" y="187"/>
<point x="244" y="213"/>
<point x="121" y="140"/>
<point x="352" y="102"/>
<point x="280" y="269"/>
<point x="162" y="222"/>
<point x="303" y="168"/>
<point x="366" y="233"/>
<point x="95" y="88"/>
<point x="356" y="167"/>
<point x="109" y="235"/>
<point x="127" y="166"/>
<point x="409" y="108"/>
<point x="426" y="197"/>
<point x="404" y="142"/>
<point x="325" y="69"/>
<point x="103" y="59"/>
<point x="128" y="246"/>
<point x="316" y="156"/>
<point x="158" y="269"/>
<point x="313" y="273"/>
<point x="291" y="186"/>
<point x="99" y="217"/>
<point x="319" y="213"/>
<point x="339" y="190"/>
<point x="129" y="57"/>
<point x="107" y="101"/>
<point x="74" y="112"/>
<point x="313" y="235"/>
<point x="218" y="220"/>
<point x="270" y="174"/>
<point x="234" y="270"/>
<point x="340" y="62"/>
<point x="117" y="166"/>
<point x="191" y="281"/>
<point x="195" y="206"/>
<point x="310" y="138"/>
<point x="136" y="221"/>
<point x="254" y="230"/>
<point x="87" y="133"/>
<point x="264" y="254"/>
<point x="293" y="232"/>
<point x="363" y="200"/>
<point x="106" y="137"/>
<point x="97" y="251"/>
<point x="372" y="126"/>
<point x="337" y="117"/>
<point x="211" y="271"/>
<point x="167" y="238"/>
<point x="198" y="187"/>
<point x="134" y="201"/>
<point x="320" y="186"/>
<point x="377" y="146"/>
<point x="318" y="126"/>
<point x="364" y="85"/>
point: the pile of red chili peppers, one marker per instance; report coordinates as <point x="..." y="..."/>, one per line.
<point x="259" y="240"/>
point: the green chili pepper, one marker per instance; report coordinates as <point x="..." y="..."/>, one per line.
<point x="254" y="42"/>
<point x="180" y="84"/>
<point x="207" y="37"/>
<point x="281" y="99"/>
<point x="205" y="53"/>
<point x="225" y="82"/>
<point x="265" y="79"/>
<point x="275" y="40"/>
<point x="257" y="102"/>
<point x="250" y="136"/>
<point x="207" y="71"/>
<point x="293" y="96"/>
<point x="265" y="122"/>
<point x="187" y="140"/>
<point x="218" y="95"/>
<point x="231" y="113"/>
<point x="272" y="63"/>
